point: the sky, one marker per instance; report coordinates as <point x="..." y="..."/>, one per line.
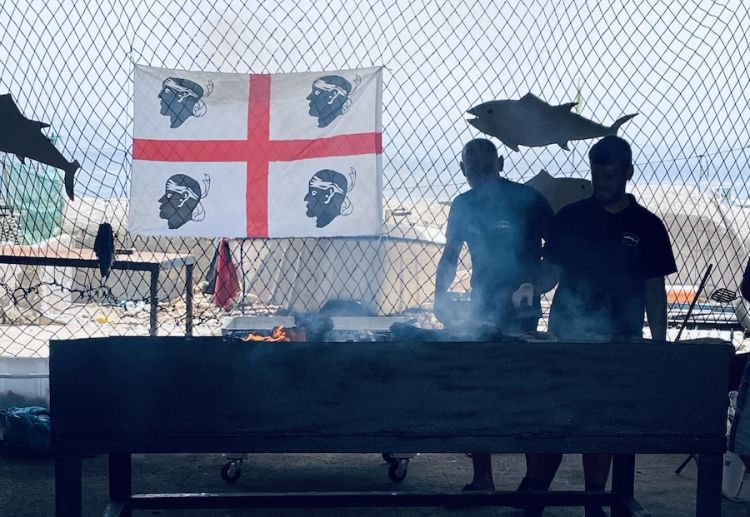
<point x="682" y="66"/>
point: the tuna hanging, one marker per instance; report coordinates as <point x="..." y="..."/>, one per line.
<point x="531" y="122"/>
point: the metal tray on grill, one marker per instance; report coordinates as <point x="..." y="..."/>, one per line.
<point x="345" y="328"/>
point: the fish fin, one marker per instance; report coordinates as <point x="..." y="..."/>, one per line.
<point x="10" y="109"/>
<point x="43" y="125"/>
<point x="513" y="147"/>
<point x="530" y="98"/>
<point x="22" y="159"/>
<point x="620" y="121"/>
<point x="70" y="178"/>
<point x="567" y="106"/>
<point x="564" y="145"/>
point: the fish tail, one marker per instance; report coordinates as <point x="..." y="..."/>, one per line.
<point x="70" y="177"/>
<point x="620" y="121"/>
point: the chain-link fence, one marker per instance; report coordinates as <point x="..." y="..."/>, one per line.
<point x="683" y="66"/>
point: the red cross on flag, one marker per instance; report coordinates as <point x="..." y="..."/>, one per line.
<point x="237" y="155"/>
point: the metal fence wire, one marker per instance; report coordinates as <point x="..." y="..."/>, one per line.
<point x="682" y="66"/>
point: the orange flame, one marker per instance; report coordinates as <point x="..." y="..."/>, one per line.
<point x="278" y="334"/>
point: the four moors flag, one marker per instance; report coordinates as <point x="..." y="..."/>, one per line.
<point x="237" y="155"/>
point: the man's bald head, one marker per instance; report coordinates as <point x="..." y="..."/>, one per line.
<point x="479" y="161"/>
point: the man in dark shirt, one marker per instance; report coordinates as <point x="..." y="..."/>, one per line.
<point x="503" y="224"/>
<point x="611" y="255"/>
<point x="745" y="285"/>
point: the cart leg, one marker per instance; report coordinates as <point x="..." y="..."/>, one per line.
<point x="708" y="498"/>
<point x="678" y="470"/>
<point x="623" y="482"/>
<point x="68" y="486"/>
<point x="120" y="480"/>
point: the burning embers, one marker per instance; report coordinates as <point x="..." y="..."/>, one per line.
<point x="278" y="334"/>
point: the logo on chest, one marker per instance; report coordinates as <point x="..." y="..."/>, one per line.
<point x="630" y="240"/>
<point x="501" y="226"/>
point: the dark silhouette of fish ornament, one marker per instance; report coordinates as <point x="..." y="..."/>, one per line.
<point x="104" y="248"/>
<point x="531" y="122"/>
<point x="560" y="192"/>
<point x="23" y="137"/>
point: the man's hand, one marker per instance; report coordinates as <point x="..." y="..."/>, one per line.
<point x="523" y="296"/>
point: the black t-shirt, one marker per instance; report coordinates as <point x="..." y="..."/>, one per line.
<point x="605" y="260"/>
<point x="503" y="224"/>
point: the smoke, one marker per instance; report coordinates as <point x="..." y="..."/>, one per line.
<point x="585" y="317"/>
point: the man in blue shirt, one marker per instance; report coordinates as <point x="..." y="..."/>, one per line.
<point x="502" y="223"/>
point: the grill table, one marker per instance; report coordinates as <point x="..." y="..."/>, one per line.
<point x="440" y="397"/>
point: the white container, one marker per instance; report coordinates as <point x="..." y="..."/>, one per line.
<point x="735" y="482"/>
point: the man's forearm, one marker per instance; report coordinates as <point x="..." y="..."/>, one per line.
<point x="446" y="272"/>
<point x="548" y="275"/>
<point x="656" y="308"/>
<point x="657" y="321"/>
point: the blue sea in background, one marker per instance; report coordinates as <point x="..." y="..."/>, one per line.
<point x="108" y="176"/>
<point x="436" y="176"/>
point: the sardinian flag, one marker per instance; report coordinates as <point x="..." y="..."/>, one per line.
<point x="236" y="155"/>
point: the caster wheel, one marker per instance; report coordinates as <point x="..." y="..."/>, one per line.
<point x="397" y="470"/>
<point x="388" y="457"/>
<point x="231" y="472"/>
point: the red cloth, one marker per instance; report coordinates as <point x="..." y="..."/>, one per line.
<point x="227" y="285"/>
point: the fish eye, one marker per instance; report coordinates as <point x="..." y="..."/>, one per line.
<point x="489" y="111"/>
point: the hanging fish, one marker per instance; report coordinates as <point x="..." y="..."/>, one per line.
<point x="104" y="248"/>
<point x="531" y="122"/>
<point x="560" y="192"/>
<point x="23" y="137"/>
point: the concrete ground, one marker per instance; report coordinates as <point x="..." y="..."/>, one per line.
<point x="27" y="484"/>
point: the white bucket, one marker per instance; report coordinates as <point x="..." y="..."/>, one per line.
<point x="735" y="482"/>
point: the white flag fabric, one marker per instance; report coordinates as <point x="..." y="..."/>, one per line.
<point x="238" y="155"/>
